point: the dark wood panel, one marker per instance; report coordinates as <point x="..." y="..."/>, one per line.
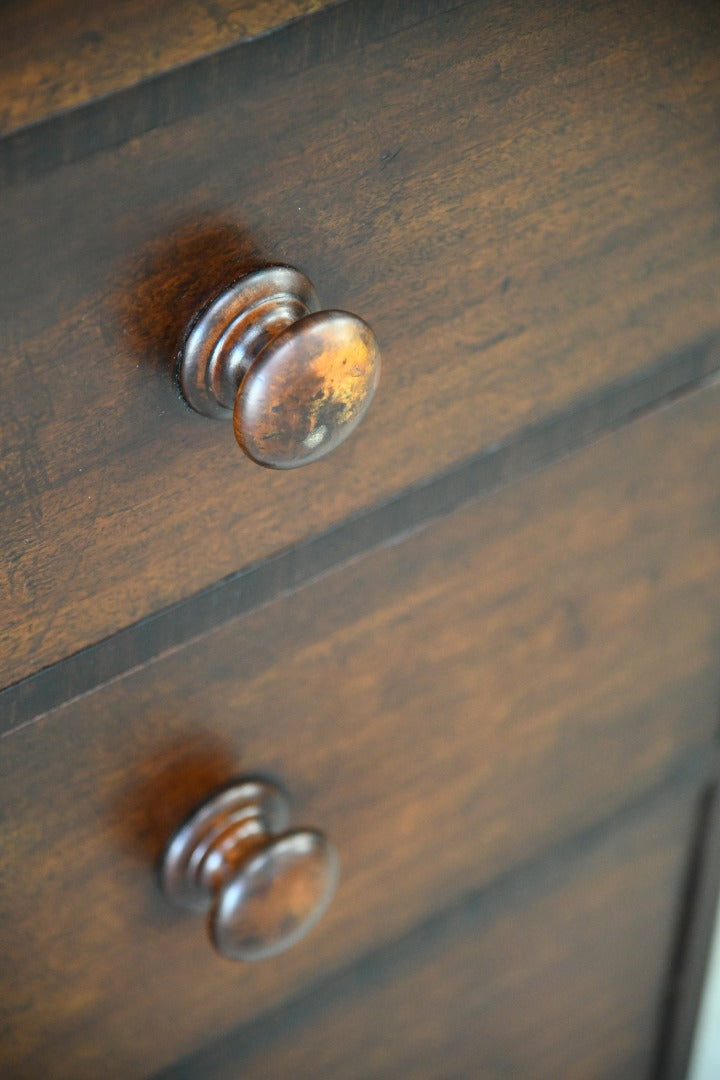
<point x="523" y="206"/>
<point x="553" y="972"/>
<point x="534" y="448"/>
<point x="58" y="54"/>
<point x="88" y="48"/>
<point x="444" y="708"/>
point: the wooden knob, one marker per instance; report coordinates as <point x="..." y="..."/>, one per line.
<point x="263" y="887"/>
<point x="296" y="381"/>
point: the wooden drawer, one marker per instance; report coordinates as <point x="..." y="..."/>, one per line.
<point x="556" y="971"/>
<point x="446" y="708"/>
<point x="522" y="204"/>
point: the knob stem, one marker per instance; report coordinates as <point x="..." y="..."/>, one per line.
<point x="228" y="336"/>
<point x="244" y="339"/>
<point x="263" y="887"/>
<point x="219" y="836"/>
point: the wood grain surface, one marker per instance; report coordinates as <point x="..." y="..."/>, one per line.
<point x="552" y="972"/>
<point x="58" y="54"/>
<point x="522" y="205"/>
<point x="328" y="32"/>
<point x="533" y="449"/>
<point x="443" y="709"/>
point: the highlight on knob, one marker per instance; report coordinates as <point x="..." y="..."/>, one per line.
<point x="295" y="380"/>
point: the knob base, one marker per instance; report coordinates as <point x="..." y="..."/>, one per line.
<point x="283" y="890"/>
<point x="228" y="828"/>
<point x="223" y="341"/>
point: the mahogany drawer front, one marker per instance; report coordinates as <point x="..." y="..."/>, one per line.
<point x="59" y="54"/>
<point x="444" y="709"/>
<point x="521" y="204"/>
<point x="555" y="972"/>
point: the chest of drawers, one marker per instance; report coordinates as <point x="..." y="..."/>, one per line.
<point x="478" y="643"/>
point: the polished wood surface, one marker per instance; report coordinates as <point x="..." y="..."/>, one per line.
<point x="182" y="82"/>
<point x="445" y="708"/>
<point x="522" y="206"/>
<point x="557" y="971"/>
<point x="58" y="54"/>
<point x="532" y="449"/>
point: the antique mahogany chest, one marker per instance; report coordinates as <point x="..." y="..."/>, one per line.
<point x="478" y="645"/>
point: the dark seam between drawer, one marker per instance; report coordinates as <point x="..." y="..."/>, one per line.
<point x="528" y="451"/>
<point x="112" y="119"/>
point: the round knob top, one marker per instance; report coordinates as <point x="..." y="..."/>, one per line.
<point x="279" y="895"/>
<point x="296" y="381"/>
<point x="308" y="390"/>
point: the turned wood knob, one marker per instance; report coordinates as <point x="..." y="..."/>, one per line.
<point x="263" y="887"/>
<point x="296" y="381"/>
